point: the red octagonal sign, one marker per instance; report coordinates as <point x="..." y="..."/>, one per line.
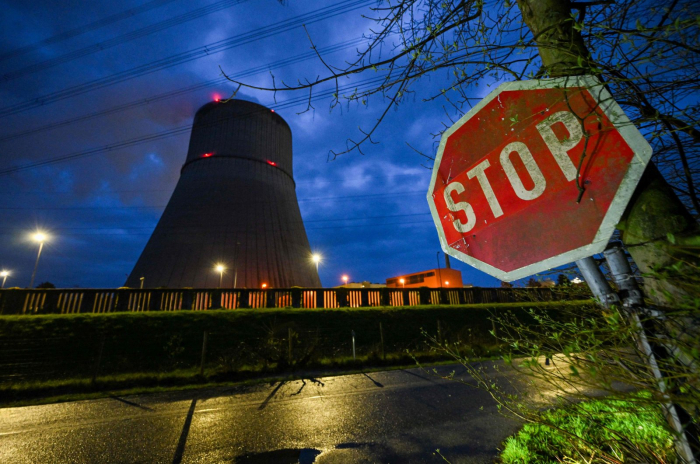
<point x="535" y="176"/>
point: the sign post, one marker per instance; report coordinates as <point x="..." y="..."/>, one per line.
<point x="537" y="175"/>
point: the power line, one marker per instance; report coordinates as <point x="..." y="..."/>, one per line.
<point x="101" y="230"/>
<point x="118" y="40"/>
<point x="183" y="90"/>
<point x="359" y="218"/>
<point x="169" y="133"/>
<point x="109" y="207"/>
<point x="100" y="23"/>
<point x="216" y="47"/>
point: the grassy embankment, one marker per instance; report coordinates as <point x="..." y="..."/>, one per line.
<point x="599" y="431"/>
<point x="85" y="354"/>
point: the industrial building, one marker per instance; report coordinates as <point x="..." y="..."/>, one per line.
<point x="234" y="206"/>
<point x="434" y="278"/>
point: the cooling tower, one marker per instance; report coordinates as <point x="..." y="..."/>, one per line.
<point x="235" y="204"/>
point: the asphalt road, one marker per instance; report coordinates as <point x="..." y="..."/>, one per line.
<point x="386" y="417"/>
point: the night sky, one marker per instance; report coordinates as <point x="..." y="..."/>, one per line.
<point x="105" y="93"/>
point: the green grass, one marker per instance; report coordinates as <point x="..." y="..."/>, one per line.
<point x="626" y="430"/>
<point x="78" y="389"/>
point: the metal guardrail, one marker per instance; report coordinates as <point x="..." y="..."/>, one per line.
<point x="72" y="301"/>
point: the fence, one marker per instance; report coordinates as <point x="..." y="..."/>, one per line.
<point x="71" y="301"/>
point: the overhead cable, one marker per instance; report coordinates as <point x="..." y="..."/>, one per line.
<point x="121" y="39"/>
<point x="100" y="23"/>
<point x="321" y="14"/>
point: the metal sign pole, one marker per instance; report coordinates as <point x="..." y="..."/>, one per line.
<point x="596" y="282"/>
<point x="632" y="300"/>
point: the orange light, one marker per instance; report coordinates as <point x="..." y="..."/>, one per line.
<point x="264" y="285"/>
<point x="447" y="283"/>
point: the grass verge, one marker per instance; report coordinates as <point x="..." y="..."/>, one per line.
<point x="626" y="431"/>
<point x="78" y="389"/>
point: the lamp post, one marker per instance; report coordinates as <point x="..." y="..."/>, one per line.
<point x="220" y="269"/>
<point x="142" y="279"/>
<point x="316" y="258"/>
<point x="403" y="283"/>
<point x="439" y="270"/>
<point x="39" y="237"/>
<point x="4" y="275"/>
<point x="345" y="280"/>
<point x="235" y="266"/>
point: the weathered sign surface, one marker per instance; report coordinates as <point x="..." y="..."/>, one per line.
<point x="535" y="176"/>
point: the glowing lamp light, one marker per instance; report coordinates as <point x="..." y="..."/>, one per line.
<point x="271" y="163"/>
<point x="447" y="283"/>
<point x="39" y="237"/>
<point x="345" y="279"/>
<point x="219" y="268"/>
<point x="217" y="98"/>
<point x="272" y="111"/>
<point x="207" y="155"/>
<point x="264" y="285"/>
<point x="4" y="273"/>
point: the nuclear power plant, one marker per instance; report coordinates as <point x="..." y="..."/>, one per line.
<point x="235" y="205"/>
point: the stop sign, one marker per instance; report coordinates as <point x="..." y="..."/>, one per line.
<point x="535" y="176"/>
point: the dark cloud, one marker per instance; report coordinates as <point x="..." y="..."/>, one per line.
<point x="367" y="214"/>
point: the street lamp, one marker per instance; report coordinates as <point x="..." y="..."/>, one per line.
<point x="40" y="238"/>
<point x="345" y="279"/>
<point x="220" y="269"/>
<point x="4" y="275"/>
<point x="403" y="283"/>
<point x="316" y="258"/>
<point x="235" y="266"/>
<point x="142" y="279"/>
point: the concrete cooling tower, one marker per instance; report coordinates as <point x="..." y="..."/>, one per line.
<point x="235" y="204"/>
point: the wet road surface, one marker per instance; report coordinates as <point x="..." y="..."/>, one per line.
<point x="383" y="417"/>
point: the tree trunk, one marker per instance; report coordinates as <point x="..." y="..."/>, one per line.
<point x="654" y="213"/>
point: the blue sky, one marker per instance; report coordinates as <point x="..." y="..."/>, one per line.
<point x="365" y="214"/>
